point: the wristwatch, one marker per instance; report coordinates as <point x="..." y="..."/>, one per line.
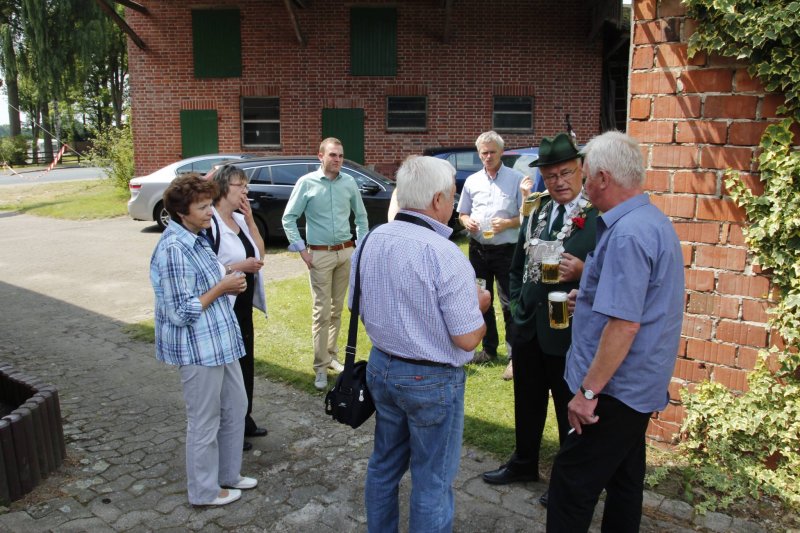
<point x="588" y="394"/>
<point x="228" y="270"/>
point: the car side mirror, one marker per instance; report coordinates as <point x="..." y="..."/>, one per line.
<point x="369" y="188"/>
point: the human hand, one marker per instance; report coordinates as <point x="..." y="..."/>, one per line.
<point x="471" y="224"/>
<point x="571" y="298"/>
<point x="570" y="268"/>
<point x="245" y="208"/>
<point x="306" y="256"/>
<point x="234" y="283"/>
<point x="484" y="299"/>
<point x="251" y="265"/>
<point x="526" y="187"/>
<point x="580" y="412"/>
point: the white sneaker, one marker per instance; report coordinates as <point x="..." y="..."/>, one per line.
<point x="321" y="382"/>
<point x="245" y="483"/>
<point x="233" y="495"/>
<point x="336" y="366"/>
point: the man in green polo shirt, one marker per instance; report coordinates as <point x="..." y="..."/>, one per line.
<point x="326" y="197"/>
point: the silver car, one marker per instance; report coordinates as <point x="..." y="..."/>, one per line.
<point x="147" y="191"/>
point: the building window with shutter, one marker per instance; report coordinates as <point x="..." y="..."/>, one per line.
<point x="373" y="41"/>
<point x="513" y="113"/>
<point x="261" y="122"/>
<point x="406" y="113"/>
<point x="216" y="43"/>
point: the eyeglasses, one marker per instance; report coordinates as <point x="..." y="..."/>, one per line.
<point x="243" y="185"/>
<point x="564" y="175"/>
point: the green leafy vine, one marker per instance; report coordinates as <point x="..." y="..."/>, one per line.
<point x="748" y="444"/>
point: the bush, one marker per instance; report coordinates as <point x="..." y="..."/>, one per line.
<point x="113" y="151"/>
<point x="14" y="150"/>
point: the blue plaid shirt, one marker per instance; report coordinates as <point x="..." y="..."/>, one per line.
<point x="182" y="268"/>
<point x="417" y="290"/>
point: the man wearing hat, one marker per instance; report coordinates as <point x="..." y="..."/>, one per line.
<point x="564" y="223"/>
<point x="489" y="209"/>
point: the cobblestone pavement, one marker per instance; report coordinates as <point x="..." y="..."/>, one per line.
<point x="67" y="291"/>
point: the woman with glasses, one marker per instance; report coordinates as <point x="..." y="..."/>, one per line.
<point x="240" y="248"/>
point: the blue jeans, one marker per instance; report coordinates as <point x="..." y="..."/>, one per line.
<point x="419" y="423"/>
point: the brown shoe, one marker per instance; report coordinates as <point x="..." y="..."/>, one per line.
<point x="508" y="374"/>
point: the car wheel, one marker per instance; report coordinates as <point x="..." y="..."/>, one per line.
<point x="262" y="229"/>
<point x="161" y="215"/>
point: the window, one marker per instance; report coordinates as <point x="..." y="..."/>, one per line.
<point x="468" y="161"/>
<point x="513" y="113"/>
<point x="216" y="43"/>
<point x="406" y="113"/>
<point x="373" y="41"/>
<point x="289" y="174"/>
<point x="261" y="122"/>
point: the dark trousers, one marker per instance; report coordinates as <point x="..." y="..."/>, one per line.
<point x="610" y="455"/>
<point x="535" y="375"/>
<point x="245" y="318"/>
<point x="492" y="263"/>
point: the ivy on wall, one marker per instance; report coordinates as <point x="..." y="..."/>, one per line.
<point x="749" y="444"/>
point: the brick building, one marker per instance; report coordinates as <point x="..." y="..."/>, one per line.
<point x="695" y="118"/>
<point x="389" y="79"/>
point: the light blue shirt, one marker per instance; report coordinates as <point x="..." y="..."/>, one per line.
<point x="327" y="205"/>
<point x="182" y="268"/>
<point x="636" y="274"/>
<point x="484" y="196"/>
<point x="417" y="290"/>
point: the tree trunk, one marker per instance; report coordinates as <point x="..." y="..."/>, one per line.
<point x="46" y="135"/>
<point x="35" y="141"/>
<point x="10" y="70"/>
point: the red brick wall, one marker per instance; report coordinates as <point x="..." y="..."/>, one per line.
<point x="513" y="47"/>
<point x="695" y="118"/>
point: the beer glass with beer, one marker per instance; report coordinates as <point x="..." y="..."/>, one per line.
<point x="550" y="262"/>
<point x="557" y="310"/>
<point x="486" y="228"/>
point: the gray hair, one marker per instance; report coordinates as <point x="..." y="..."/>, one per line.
<point x="223" y="176"/>
<point x="420" y="178"/>
<point x="619" y="155"/>
<point x="490" y="137"/>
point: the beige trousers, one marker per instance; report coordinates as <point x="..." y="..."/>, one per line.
<point x="329" y="278"/>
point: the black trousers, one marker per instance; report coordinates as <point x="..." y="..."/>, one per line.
<point x="535" y="375"/>
<point x="492" y="263"/>
<point x="245" y="318"/>
<point x="610" y="455"/>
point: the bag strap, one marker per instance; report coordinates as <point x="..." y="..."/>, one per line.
<point x="413" y="220"/>
<point x="352" y="333"/>
<point x="215" y="241"/>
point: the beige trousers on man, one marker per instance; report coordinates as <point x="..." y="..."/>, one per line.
<point x="329" y="278"/>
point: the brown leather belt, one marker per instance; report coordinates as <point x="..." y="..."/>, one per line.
<point x="333" y="247"/>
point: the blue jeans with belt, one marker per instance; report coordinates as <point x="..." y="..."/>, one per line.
<point x="419" y="424"/>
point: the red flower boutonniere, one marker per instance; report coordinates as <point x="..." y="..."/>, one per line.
<point x="579" y="221"/>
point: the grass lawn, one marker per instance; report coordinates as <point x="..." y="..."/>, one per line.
<point x="73" y="200"/>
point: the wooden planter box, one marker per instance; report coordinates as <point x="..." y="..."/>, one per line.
<point x="31" y="436"/>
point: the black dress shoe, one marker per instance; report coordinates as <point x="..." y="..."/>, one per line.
<point x="257" y="432"/>
<point x="247" y="446"/>
<point x="544" y="497"/>
<point x="505" y="475"/>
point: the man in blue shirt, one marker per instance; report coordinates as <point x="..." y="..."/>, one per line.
<point x="326" y="197"/>
<point x="424" y="321"/>
<point x="489" y="209"/>
<point x="625" y="336"/>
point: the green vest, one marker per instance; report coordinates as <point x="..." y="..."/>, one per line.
<point x="529" y="300"/>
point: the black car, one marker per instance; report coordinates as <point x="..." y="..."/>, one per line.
<point x="273" y="178"/>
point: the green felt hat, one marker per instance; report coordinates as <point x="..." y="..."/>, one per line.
<point x="555" y="150"/>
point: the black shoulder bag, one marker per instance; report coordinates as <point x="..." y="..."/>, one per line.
<point x="349" y="401"/>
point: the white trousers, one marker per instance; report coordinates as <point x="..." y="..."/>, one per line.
<point x="216" y="405"/>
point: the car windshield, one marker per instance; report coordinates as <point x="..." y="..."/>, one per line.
<point x="371" y="173"/>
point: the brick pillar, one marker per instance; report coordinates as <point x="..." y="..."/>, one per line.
<point x="695" y="118"/>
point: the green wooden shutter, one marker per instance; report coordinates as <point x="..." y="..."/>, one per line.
<point x="216" y="43"/>
<point x="199" y="132"/>
<point x="373" y="41"/>
<point x="347" y="125"/>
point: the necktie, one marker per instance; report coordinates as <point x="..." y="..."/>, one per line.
<point x="558" y="222"/>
